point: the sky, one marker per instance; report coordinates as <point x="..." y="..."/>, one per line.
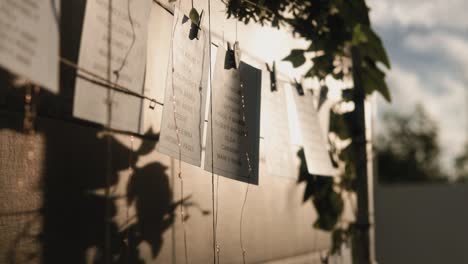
<point x="427" y="43"/>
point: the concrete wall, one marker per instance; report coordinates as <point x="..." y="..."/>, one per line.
<point x="421" y="224"/>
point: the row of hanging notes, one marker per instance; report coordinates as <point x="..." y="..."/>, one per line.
<point x="235" y="148"/>
<point x="183" y="119"/>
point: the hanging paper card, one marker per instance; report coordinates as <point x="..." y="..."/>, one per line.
<point x="275" y="131"/>
<point x="232" y="150"/>
<point x="316" y="153"/>
<point x="29" y="40"/>
<point x="125" y="47"/>
<point x="183" y="115"/>
<point x="346" y="255"/>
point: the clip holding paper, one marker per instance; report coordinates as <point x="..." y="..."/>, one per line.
<point x="272" y="71"/>
<point x="299" y="88"/>
<point x="232" y="57"/>
<point x="195" y="26"/>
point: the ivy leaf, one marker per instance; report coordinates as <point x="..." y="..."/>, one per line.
<point x="194" y="16"/>
<point x="338" y="238"/>
<point x="370" y="44"/>
<point x="338" y="125"/>
<point x="374" y="79"/>
<point x="359" y="36"/>
<point x="296" y="57"/>
<point x="347" y="95"/>
<point x="323" y="66"/>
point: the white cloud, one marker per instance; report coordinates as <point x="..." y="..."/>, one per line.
<point x="450" y="45"/>
<point x="428" y="14"/>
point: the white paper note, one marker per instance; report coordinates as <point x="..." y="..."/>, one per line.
<point x="275" y="130"/>
<point x="29" y="40"/>
<point x="315" y="148"/>
<point x="346" y="254"/>
<point x="128" y="57"/>
<point x="231" y="149"/>
<point x="185" y="96"/>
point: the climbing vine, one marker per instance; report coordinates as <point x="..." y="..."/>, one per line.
<point x="343" y="46"/>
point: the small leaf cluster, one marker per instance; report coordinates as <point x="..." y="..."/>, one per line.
<point x="332" y="27"/>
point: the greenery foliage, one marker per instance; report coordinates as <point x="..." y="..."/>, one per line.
<point x="335" y="29"/>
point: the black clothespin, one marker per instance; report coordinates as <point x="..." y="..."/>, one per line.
<point x="299" y="88"/>
<point x="230" y="58"/>
<point x="195" y="26"/>
<point x="272" y="71"/>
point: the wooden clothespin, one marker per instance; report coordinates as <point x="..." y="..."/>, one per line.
<point x="272" y="71"/>
<point x="232" y="57"/>
<point x="195" y="23"/>
<point x="299" y="88"/>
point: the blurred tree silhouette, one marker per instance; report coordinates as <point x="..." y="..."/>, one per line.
<point x="461" y="165"/>
<point x="408" y="150"/>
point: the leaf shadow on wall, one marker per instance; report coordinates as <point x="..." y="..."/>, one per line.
<point x="70" y="225"/>
<point x="73" y="213"/>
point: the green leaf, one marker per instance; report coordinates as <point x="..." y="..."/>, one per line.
<point x="194" y="16"/>
<point x="374" y="79"/>
<point x="359" y="36"/>
<point x="322" y="66"/>
<point x="370" y="44"/>
<point x="338" y="125"/>
<point x="296" y="57"/>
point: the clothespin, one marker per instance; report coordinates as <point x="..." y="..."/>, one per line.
<point x="299" y="88"/>
<point x="230" y="59"/>
<point x="195" y="27"/>
<point x="272" y="71"/>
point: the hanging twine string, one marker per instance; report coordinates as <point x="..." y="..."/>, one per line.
<point x="179" y="144"/>
<point x="124" y="61"/>
<point x="249" y="164"/>
<point x="249" y="167"/>
<point x="107" y="234"/>
<point x="104" y="82"/>
<point x="215" y="243"/>
<point x="109" y="117"/>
